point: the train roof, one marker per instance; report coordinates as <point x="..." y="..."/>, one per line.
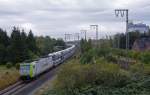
<point x="34" y="62"/>
<point x="50" y="54"/>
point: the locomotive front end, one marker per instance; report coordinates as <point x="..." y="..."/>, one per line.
<point x="26" y="71"/>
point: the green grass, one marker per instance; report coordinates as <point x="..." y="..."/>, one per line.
<point x="8" y="76"/>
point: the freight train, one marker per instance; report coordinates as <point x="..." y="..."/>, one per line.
<point x="31" y="70"/>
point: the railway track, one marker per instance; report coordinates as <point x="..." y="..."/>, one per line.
<point x="27" y="88"/>
<point x="20" y="85"/>
<point x="13" y="88"/>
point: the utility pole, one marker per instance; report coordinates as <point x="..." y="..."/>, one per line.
<point x="74" y="35"/>
<point x="78" y="36"/>
<point x="67" y="37"/>
<point x="118" y="41"/>
<point x="84" y="31"/>
<point x="122" y="13"/>
<point x="96" y="28"/>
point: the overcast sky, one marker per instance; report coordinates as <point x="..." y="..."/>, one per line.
<point x="57" y="17"/>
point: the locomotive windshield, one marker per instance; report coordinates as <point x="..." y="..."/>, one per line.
<point x="25" y="69"/>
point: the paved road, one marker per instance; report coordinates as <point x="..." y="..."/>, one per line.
<point x="30" y="88"/>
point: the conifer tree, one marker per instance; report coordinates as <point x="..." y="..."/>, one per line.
<point x="31" y="42"/>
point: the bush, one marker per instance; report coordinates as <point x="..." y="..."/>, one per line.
<point x="111" y="58"/>
<point x="32" y="55"/>
<point x="17" y="66"/>
<point x="134" y="54"/>
<point x="147" y="69"/>
<point x="103" y="77"/>
<point x="145" y="57"/>
<point x="102" y="52"/>
<point x="131" y="89"/>
<point x="8" y="65"/>
<point x="87" y="57"/>
<point x="74" y="78"/>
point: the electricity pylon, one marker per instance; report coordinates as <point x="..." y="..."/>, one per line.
<point x="124" y="13"/>
<point x="96" y="28"/>
<point x="85" y="32"/>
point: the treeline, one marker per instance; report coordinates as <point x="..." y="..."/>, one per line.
<point x="90" y="53"/>
<point x="47" y="45"/>
<point x="120" y="39"/>
<point x="20" y="46"/>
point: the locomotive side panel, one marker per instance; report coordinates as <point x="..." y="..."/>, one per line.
<point x="42" y="65"/>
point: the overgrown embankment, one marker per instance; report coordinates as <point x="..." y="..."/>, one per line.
<point x="98" y="71"/>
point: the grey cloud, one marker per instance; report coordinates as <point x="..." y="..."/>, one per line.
<point x="56" y="17"/>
